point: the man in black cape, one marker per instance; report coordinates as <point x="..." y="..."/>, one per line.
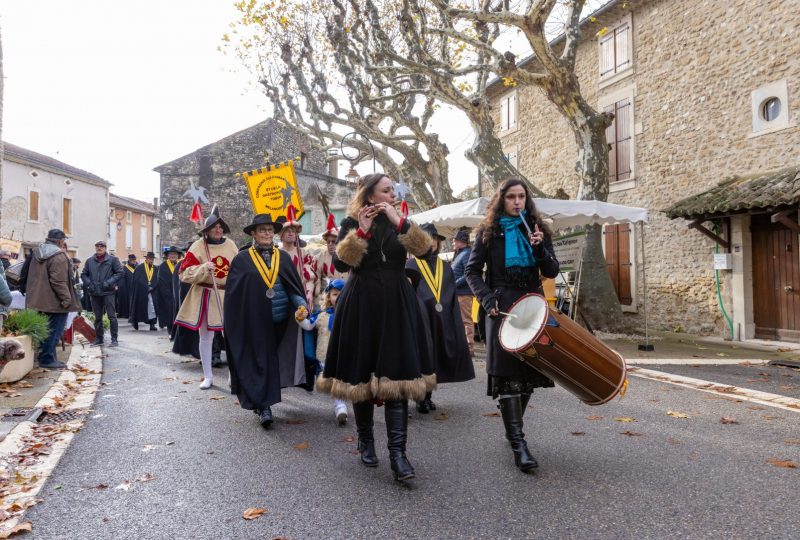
<point x="142" y="307"/>
<point x="167" y="291"/>
<point x="261" y="321"/>
<point x="125" y="286"/>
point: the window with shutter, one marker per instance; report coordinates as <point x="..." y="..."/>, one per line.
<point x="33" y="205"/>
<point x="128" y="236"/>
<point x="619" y="136"/>
<point x="143" y="238"/>
<point x="615" y="49"/>
<point x="508" y="112"/>
<point x="67" y="215"/>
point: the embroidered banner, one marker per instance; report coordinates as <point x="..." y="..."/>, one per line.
<point x="273" y="188"/>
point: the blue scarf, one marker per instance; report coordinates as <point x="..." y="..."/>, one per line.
<point x="518" y="248"/>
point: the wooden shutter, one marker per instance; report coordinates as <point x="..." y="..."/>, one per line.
<point x="512" y="110"/>
<point x="504" y="114"/>
<point x="622" y="58"/>
<point x="620" y="141"/>
<point x="67" y="217"/>
<point x="607" y="63"/>
<point x="33" y="206"/>
<point x="618" y="260"/>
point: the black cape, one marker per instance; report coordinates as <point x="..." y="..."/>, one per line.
<point x="450" y="349"/>
<point x="124" y="287"/>
<point x="257" y="371"/>
<point x="140" y="291"/>
<point x="167" y="295"/>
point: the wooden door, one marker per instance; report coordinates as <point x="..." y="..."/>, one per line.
<point x="776" y="280"/>
<point x="617" y="240"/>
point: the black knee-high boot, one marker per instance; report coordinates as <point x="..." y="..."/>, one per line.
<point x="523" y="401"/>
<point x="511" y="409"/>
<point x="363" y="411"/>
<point x="396" y="432"/>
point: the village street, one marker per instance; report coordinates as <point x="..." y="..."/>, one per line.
<point x="629" y="469"/>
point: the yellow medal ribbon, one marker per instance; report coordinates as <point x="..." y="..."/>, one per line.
<point x="148" y="270"/>
<point x="269" y="275"/>
<point x="434" y="281"/>
<point x="130" y="268"/>
<point x="170" y="266"/>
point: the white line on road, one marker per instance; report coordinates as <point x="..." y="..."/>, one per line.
<point x="696" y="361"/>
<point x="746" y="394"/>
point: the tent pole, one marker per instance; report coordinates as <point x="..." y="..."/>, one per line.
<point x="646" y="346"/>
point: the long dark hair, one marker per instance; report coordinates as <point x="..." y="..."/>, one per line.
<point x="366" y="185"/>
<point x="490" y="223"/>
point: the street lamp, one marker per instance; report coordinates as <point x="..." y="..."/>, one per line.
<point x="352" y="175"/>
<point x="353" y="154"/>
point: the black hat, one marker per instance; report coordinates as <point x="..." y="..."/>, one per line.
<point x="264" y="219"/>
<point x="462" y="236"/>
<point x="430" y="228"/>
<point x="132" y="257"/>
<point x="150" y="255"/>
<point x="212" y="220"/>
<point x="172" y="249"/>
<point x="56" y="234"/>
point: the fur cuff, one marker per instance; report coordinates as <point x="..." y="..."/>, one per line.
<point x="416" y="241"/>
<point x="351" y="249"/>
<point x="381" y="388"/>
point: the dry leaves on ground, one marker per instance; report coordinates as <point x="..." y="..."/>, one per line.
<point x="625" y="419"/>
<point x="295" y="422"/>
<point x="757" y="408"/>
<point x="253" y="513"/>
<point x="594" y="417"/>
<point x="146" y="477"/>
<point x="728" y="420"/>
<point x="441" y="416"/>
<point x="674" y="442"/>
<point x="578" y="433"/>
<point x="491" y="414"/>
<point x="676" y="414"/>
<point x="216" y="398"/>
<point x="792" y="441"/>
<point x="783" y="463"/>
<point x="631" y="433"/>
<point x="21" y="528"/>
<point x="125" y="485"/>
<point x="302" y="446"/>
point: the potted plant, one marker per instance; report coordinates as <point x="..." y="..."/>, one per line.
<point x="30" y="328"/>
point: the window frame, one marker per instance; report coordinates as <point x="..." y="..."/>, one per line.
<point x="613" y="98"/>
<point x="512" y="155"/>
<point x="634" y="272"/>
<point x="614" y="76"/>
<point x="38" y="205"/>
<point x="760" y="126"/>
<point x="143" y="220"/>
<point x="66" y="221"/>
<point x="128" y="216"/>
<point x="509" y="97"/>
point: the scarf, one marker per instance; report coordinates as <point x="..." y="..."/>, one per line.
<point x="518" y="248"/>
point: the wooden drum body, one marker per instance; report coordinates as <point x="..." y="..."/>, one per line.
<point x="563" y="350"/>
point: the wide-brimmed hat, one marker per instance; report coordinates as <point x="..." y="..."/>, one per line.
<point x="132" y="256"/>
<point x="462" y="236"/>
<point x="149" y="255"/>
<point x="212" y="219"/>
<point x="264" y="219"/>
<point x="172" y="249"/>
<point x="430" y="228"/>
<point x="330" y="228"/>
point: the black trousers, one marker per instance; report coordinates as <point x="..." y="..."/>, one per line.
<point x="104" y="305"/>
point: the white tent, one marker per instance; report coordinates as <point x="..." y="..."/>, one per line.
<point x="563" y="213"/>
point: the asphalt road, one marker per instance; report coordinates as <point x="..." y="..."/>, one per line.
<point x="210" y="461"/>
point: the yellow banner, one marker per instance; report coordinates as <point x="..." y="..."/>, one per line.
<point x="273" y="188"/>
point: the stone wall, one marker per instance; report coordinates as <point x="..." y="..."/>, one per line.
<point x="695" y="66"/>
<point x="215" y="166"/>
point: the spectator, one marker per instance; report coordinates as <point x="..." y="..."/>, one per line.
<point x="50" y="289"/>
<point x="5" y="258"/>
<point x="5" y="297"/>
<point x="463" y="292"/>
<point x="100" y="275"/>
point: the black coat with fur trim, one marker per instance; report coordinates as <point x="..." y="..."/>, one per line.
<point x="378" y="347"/>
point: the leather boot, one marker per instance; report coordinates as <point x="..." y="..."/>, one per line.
<point x="265" y="418"/>
<point x="511" y="409"/>
<point x="523" y="401"/>
<point x="396" y="433"/>
<point x="363" y="411"/>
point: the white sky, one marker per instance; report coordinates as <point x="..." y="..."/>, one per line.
<point x="118" y="87"/>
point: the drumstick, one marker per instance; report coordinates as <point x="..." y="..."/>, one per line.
<point x="508" y="314"/>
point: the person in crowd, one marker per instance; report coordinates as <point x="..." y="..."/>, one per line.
<point x="437" y="290"/>
<point x="463" y="250"/>
<point x="101" y="273"/>
<point x="142" y="304"/>
<point x="515" y="261"/>
<point x="5" y="258"/>
<point x="322" y="269"/>
<point x="205" y="267"/>
<point x="378" y="345"/>
<point x="125" y="287"/>
<point x="265" y="305"/>
<point x="291" y="244"/>
<point x="50" y="289"/>
<point x="168" y="288"/>
<point x="5" y="297"/>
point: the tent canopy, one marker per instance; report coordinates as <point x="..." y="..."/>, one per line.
<point x="451" y="217"/>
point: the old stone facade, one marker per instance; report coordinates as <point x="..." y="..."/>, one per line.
<point x="690" y="81"/>
<point x="215" y="168"/>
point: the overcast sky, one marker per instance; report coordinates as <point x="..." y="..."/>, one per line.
<point x="119" y="87"/>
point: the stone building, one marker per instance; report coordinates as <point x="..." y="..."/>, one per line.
<point x="215" y="167"/>
<point x="42" y="193"/>
<point x="705" y="134"/>
<point x="132" y="228"/>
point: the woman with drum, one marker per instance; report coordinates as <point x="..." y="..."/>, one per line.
<point x="515" y="246"/>
<point x="378" y="349"/>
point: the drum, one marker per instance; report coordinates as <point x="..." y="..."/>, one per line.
<point x="560" y="348"/>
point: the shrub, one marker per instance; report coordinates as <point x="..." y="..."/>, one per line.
<point x="28" y="322"/>
<point x="90" y="317"/>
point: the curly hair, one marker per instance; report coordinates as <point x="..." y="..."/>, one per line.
<point x="490" y="224"/>
<point x="366" y="186"/>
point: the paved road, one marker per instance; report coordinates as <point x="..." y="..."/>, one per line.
<point x="687" y="478"/>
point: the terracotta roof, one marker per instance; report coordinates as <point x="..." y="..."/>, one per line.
<point x="29" y="157"/>
<point x="118" y="201"/>
<point x="741" y="193"/>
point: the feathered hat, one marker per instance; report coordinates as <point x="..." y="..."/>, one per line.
<point x="331" y="228"/>
<point x="291" y="218"/>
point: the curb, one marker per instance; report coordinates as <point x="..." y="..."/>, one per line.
<point x="87" y="384"/>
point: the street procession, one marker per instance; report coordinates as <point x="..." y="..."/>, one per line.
<point x="404" y="270"/>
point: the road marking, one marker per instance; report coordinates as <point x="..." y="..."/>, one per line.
<point x="696" y="361"/>
<point x="746" y="394"/>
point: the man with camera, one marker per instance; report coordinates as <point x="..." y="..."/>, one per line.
<point x="100" y="275"/>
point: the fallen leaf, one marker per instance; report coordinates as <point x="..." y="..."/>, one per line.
<point x="186" y="382"/>
<point x="785" y="349"/>
<point x="491" y="414"/>
<point x="792" y="441"/>
<point x="757" y="408"/>
<point x="578" y="433"/>
<point x="757" y="380"/>
<point x="769" y="417"/>
<point x="676" y="414"/>
<point x="348" y="439"/>
<point x="146" y="477"/>
<point x="728" y="420"/>
<point x="216" y="398"/>
<point x="632" y="433"/>
<point x="676" y="442"/>
<point x="101" y="486"/>
<point x="784" y="463"/>
<point x="441" y="416"/>
<point x="57" y="486"/>
<point x="295" y="422"/>
<point x="21" y="528"/>
<point x="722" y="354"/>
<point x="594" y="417"/>
<point x="625" y="419"/>
<point x="125" y="485"/>
<point x="169" y="443"/>
<point x="254" y="513"/>
<point x="148" y="447"/>
<point x="23" y="384"/>
<point x="302" y="446"/>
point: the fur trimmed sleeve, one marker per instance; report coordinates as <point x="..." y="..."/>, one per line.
<point x="415" y="240"/>
<point x="350" y="250"/>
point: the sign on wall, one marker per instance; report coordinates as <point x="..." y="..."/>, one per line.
<point x="273" y="188"/>
<point x="13" y="246"/>
<point x="569" y="250"/>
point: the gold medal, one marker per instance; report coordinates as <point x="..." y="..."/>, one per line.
<point x="269" y="275"/>
<point x="434" y="281"/>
